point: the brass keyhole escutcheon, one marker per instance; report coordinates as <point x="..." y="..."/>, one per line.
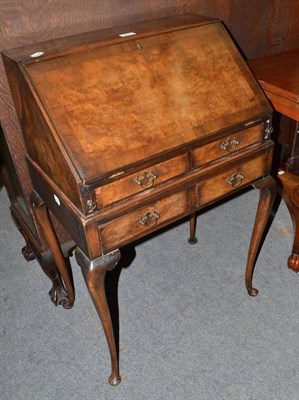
<point x="230" y="145"/>
<point x="236" y="179"/>
<point x="146" y="179"/>
<point x="149" y="219"/>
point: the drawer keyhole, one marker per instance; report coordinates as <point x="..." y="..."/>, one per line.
<point x="149" y="219"/>
<point x="230" y="145"/>
<point x="236" y="179"/>
<point x="146" y="180"/>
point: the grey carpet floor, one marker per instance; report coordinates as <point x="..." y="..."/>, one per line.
<point x="188" y="329"/>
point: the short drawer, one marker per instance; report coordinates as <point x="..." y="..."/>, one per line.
<point x="227" y="145"/>
<point x="138" y="223"/>
<point x="218" y="185"/>
<point x="141" y="180"/>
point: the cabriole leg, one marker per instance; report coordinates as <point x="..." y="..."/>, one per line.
<point x="267" y="189"/>
<point x="94" y="272"/>
<point x="291" y="197"/>
<point x="58" y="293"/>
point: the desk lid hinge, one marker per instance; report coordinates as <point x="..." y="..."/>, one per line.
<point x="89" y="200"/>
<point x="268" y="128"/>
<point x="91" y="206"/>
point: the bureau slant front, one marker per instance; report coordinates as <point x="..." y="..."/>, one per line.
<point x="132" y="128"/>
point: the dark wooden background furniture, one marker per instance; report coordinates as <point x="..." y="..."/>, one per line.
<point x="278" y="74"/>
<point x="130" y="129"/>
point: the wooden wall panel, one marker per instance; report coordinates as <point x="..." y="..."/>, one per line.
<point x="260" y="27"/>
<point x="246" y="25"/>
<point x="282" y="25"/>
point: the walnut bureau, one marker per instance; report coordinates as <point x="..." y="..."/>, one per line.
<point x="132" y="128"/>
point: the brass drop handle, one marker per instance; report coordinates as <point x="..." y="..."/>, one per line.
<point x="236" y="179"/>
<point x="229" y="145"/>
<point x="149" y="219"/>
<point x="146" y="179"/>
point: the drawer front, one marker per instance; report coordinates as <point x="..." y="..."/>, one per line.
<point x="141" y="180"/>
<point x="218" y="185"/>
<point x="139" y="223"/>
<point x="227" y="145"/>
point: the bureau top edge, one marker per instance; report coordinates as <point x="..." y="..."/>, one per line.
<point x="113" y="35"/>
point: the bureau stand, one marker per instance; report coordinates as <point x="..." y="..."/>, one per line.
<point x="130" y="129"/>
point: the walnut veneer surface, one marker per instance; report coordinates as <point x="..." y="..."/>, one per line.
<point x="130" y="129"/>
<point x="165" y="76"/>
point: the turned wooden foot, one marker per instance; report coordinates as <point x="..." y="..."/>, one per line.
<point x="192" y="239"/>
<point x="62" y="292"/>
<point x="267" y="189"/>
<point x="94" y="272"/>
<point x="293" y="262"/>
<point x="290" y="195"/>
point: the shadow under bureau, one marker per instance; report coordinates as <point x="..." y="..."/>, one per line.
<point x="132" y="128"/>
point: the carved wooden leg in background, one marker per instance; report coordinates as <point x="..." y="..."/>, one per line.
<point x="94" y="272"/>
<point x="57" y="293"/>
<point x="267" y="189"/>
<point x="27" y="250"/>
<point x="33" y="251"/>
<point x="192" y="239"/>
<point x="291" y="197"/>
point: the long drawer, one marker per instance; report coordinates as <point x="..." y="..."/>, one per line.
<point x="140" y="222"/>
